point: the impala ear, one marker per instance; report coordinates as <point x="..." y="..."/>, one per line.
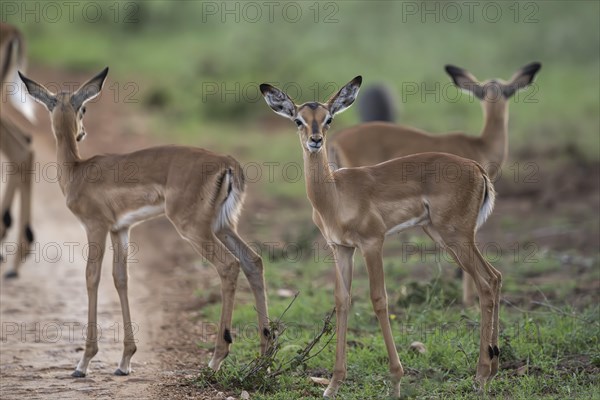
<point x="521" y="79"/>
<point x="39" y="92"/>
<point x="278" y="101"/>
<point x="343" y="99"/>
<point x="89" y="90"/>
<point x="465" y="80"/>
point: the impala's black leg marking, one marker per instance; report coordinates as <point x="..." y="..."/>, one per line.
<point x="227" y="336"/>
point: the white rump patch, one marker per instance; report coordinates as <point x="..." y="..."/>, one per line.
<point x="231" y="207"/>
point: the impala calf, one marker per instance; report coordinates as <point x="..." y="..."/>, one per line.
<point x="16" y="146"/>
<point x="376" y="142"/>
<point x="200" y="192"/>
<point x="357" y="208"/>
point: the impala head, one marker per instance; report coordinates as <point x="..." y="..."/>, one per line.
<point x="66" y="109"/>
<point x="313" y="119"/>
<point x="493" y="91"/>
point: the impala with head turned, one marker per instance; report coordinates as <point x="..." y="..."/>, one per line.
<point x="200" y="192"/>
<point x="15" y="143"/>
<point x="375" y="142"/>
<point x="358" y="207"/>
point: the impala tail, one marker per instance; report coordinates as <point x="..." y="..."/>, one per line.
<point x="489" y="197"/>
<point x="231" y="189"/>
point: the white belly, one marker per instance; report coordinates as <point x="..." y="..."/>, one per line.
<point x="133" y="217"/>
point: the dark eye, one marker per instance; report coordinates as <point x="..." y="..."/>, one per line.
<point x="298" y="122"/>
<point x="83" y="110"/>
<point x="329" y="121"/>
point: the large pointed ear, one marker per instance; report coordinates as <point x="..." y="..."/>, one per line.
<point x="521" y="79"/>
<point x="89" y="90"/>
<point x="39" y="92"/>
<point x="465" y="80"/>
<point x="278" y="101"/>
<point x="345" y="97"/>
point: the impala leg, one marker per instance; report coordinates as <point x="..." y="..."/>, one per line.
<point x="228" y="268"/>
<point x="496" y="287"/>
<point x="9" y="194"/>
<point x="252" y="267"/>
<point x="7" y="220"/>
<point x="487" y="281"/>
<point x="380" y="306"/>
<point x="343" y="285"/>
<point x="120" y="242"/>
<point x="97" y="244"/>
<point x="468" y="285"/>
<point x="25" y="238"/>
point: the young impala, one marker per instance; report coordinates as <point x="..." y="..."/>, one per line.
<point x="200" y="192"/>
<point x="16" y="146"/>
<point x="376" y="142"/>
<point x="358" y="207"/>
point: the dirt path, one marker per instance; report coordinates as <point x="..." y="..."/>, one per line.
<point x="43" y="313"/>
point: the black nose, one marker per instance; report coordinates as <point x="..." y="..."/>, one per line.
<point x="316" y="140"/>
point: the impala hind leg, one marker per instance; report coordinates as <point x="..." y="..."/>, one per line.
<point x="120" y="242"/>
<point x="214" y="251"/>
<point x="252" y="266"/>
<point x="379" y="299"/>
<point x="343" y="286"/>
<point x="487" y="282"/>
<point x="97" y="244"/>
<point x="25" y="238"/>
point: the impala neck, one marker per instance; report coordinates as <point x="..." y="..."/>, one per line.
<point x="495" y="130"/>
<point x="67" y="156"/>
<point x="320" y="185"/>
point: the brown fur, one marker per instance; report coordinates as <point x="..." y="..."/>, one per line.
<point x="200" y="192"/>
<point x="357" y="207"/>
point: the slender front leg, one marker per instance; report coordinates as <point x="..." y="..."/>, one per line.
<point x="252" y="267"/>
<point x="97" y="244"/>
<point x="343" y="286"/>
<point x="120" y="242"/>
<point x="373" y="255"/>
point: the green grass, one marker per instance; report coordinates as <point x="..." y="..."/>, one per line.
<point x="546" y="351"/>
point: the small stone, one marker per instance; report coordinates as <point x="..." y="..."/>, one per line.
<point x="320" y="381"/>
<point x="285" y="293"/>
<point x="418" y="347"/>
<point x="245" y="395"/>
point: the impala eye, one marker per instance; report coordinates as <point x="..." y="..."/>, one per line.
<point x="83" y="110"/>
<point x="329" y="121"/>
<point x="298" y="122"/>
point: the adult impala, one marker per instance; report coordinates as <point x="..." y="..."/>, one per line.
<point x="376" y="142"/>
<point x="16" y="146"/>
<point x="200" y="192"/>
<point x="358" y="207"/>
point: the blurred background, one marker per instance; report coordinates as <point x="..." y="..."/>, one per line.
<point x="188" y="72"/>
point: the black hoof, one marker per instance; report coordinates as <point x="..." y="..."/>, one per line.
<point x="78" y="374"/>
<point x="118" y="372"/>
<point x="11" y="275"/>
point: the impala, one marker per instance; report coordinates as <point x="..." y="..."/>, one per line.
<point x="16" y="146"/>
<point x="357" y="207"/>
<point x="376" y="142"/>
<point x="200" y="192"/>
